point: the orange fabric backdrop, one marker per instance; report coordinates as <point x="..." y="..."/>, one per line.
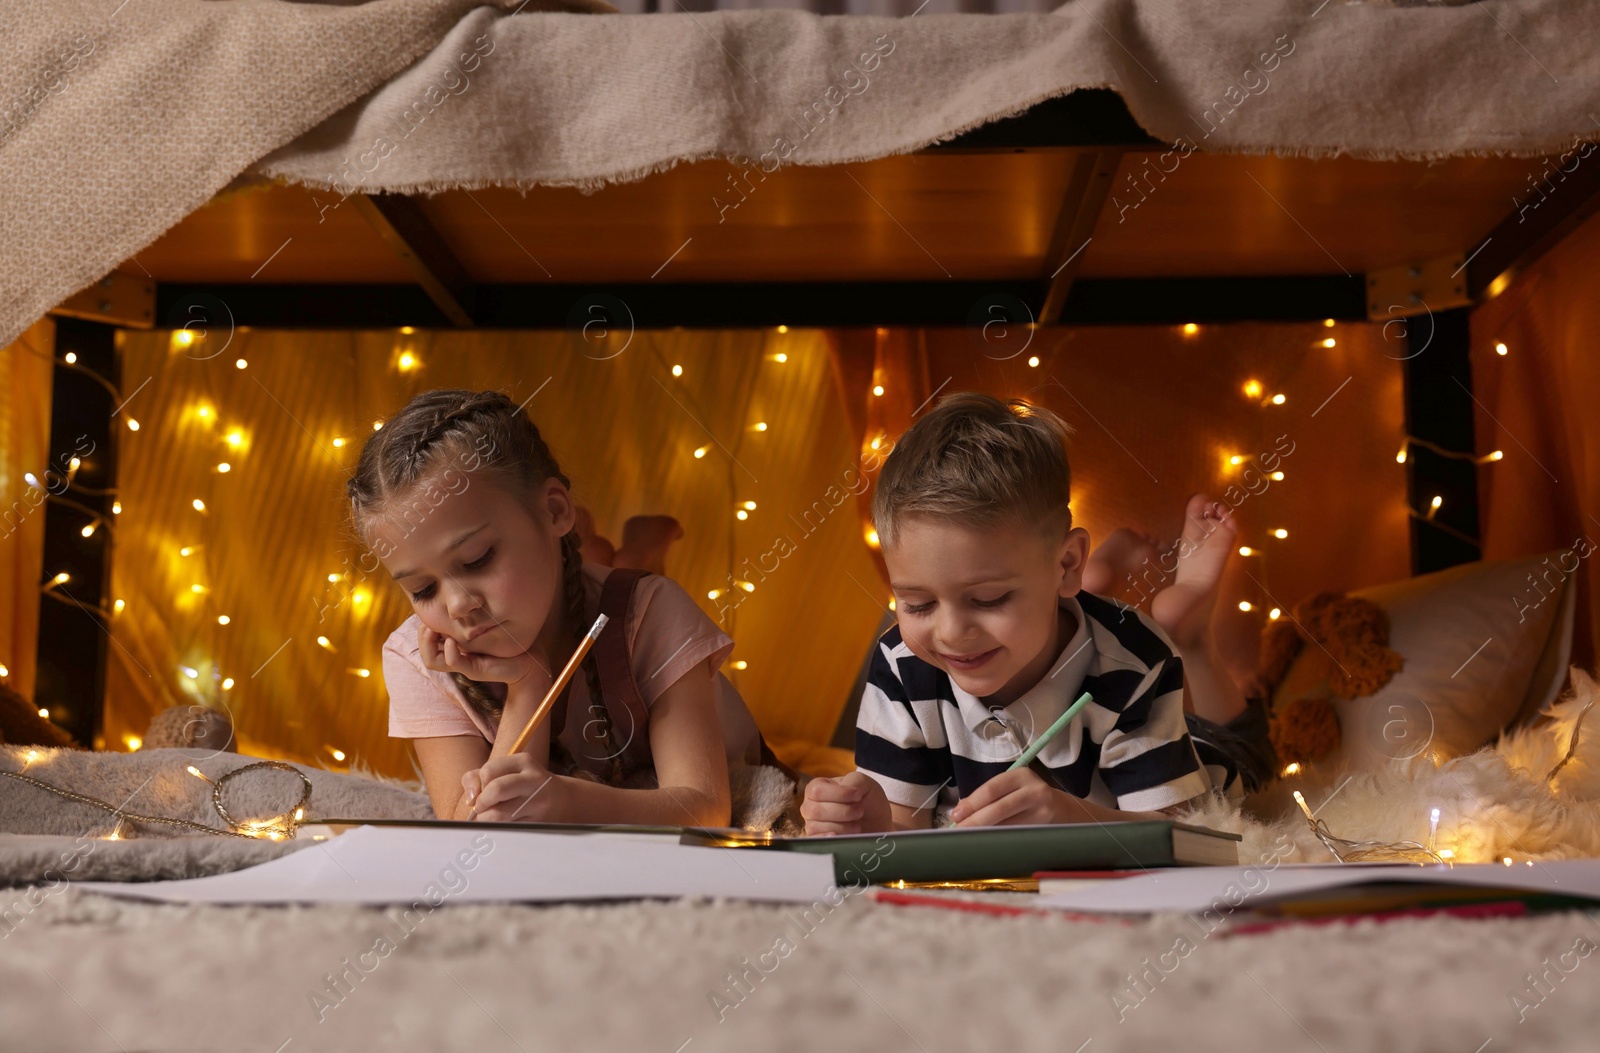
<point x="625" y="430"/>
<point x="1158" y="412"/>
<point x="25" y="386"/>
<point x="1538" y="403"/>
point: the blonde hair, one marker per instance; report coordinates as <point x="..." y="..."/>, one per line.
<point x="978" y="461"/>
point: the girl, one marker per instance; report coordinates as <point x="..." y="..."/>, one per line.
<point x="463" y="503"/>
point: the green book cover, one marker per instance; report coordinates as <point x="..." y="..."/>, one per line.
<point x="1000" y="851"/>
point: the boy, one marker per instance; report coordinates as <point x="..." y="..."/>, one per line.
<point x="997" y="636"/>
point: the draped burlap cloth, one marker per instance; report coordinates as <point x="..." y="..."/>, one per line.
<point x="117" y="121"/>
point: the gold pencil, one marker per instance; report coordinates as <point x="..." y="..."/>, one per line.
<point x="555" y="690"/>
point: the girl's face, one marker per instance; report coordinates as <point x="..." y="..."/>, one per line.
<point x="478" y="564"/>
<point x="981" y="604"/>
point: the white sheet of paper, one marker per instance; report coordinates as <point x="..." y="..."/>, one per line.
<point x="1195" y="890"/>
<point x="384" y="865"/>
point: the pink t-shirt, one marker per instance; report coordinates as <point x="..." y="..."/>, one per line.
<point x="669" y="637"/>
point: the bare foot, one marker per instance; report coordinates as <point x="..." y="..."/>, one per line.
<point x="1184" y="608"/>
<point x="1122" y="555"/>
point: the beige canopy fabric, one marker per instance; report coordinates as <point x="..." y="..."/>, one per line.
<point x="584" y="102"/>
<point x="119" y="119"/>
<point x="116" y="121"/>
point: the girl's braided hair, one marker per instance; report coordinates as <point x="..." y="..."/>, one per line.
<point x="453" y="427"/>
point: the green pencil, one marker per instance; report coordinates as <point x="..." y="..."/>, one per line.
<point x="1049" y="733"/>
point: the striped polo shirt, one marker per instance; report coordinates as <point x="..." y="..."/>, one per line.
<point x="922" y="737"/>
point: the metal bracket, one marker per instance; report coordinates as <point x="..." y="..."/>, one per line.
<point x="117" y="299"/>
<point x="1425" y="286"/>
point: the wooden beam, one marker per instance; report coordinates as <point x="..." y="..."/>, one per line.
<point x="656" y="305"/>
<point x="1555" y="203"/>
<point x="74" y="634"/>
<point x="1086" y="194"/>
<point x="401" y="223"/>
<point x="1437" y="395"/>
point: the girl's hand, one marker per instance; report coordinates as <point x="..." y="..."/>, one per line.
<point x="515" y="788"/>
<point x="850" y="804"/>
<point x="443" y="653"/>
<point x="1014" y="797"/>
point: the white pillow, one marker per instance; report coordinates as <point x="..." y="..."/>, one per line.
<point x="1483" y="647"/>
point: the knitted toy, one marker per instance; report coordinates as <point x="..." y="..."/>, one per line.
<point x="1350" y="657"/>
<point x="192" y="726"/>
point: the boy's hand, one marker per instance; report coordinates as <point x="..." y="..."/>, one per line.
<point x="443" y="653"/>
<point x="1014" y="797"/>
<point x="850" y="804"/>
<point x="514" y="788"/>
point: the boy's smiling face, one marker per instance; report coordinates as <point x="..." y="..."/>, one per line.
<point x="494" y="590"/>
<point x="981" y="602"/>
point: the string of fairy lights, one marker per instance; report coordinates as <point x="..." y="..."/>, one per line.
<point x="405" y="360"/>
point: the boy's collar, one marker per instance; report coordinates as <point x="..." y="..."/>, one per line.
<point x="1061" y="681"/>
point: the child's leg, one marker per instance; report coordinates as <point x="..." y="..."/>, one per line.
<point x="1184" y="609"/>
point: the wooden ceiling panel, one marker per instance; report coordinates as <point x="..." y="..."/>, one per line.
<point x="969" y="215"/>
<point x="270" y="233"/>
<point x="1216" y="215"/>
<point x="965" y="216"/>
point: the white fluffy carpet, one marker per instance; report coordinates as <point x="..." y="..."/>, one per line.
<point x="45" y="838"/>
<point x="88" y="973"/>
<point x="83" y="972"/>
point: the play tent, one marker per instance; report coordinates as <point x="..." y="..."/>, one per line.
<point x="728" y="256"/>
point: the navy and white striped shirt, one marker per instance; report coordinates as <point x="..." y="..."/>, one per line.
<point x="921" y="736"/>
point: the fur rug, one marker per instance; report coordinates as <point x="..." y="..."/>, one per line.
<point x="43" y="835"/>
<point x="1494" y="803"/>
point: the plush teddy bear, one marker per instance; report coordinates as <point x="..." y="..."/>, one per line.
<point x="1350" y="657"/>
<point x="21" y="724"/>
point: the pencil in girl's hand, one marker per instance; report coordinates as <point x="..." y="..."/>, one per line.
<point x="555" y="689"/>
<point x="1027" y="756"/>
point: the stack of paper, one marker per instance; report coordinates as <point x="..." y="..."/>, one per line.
<point x="373" y="865"/>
